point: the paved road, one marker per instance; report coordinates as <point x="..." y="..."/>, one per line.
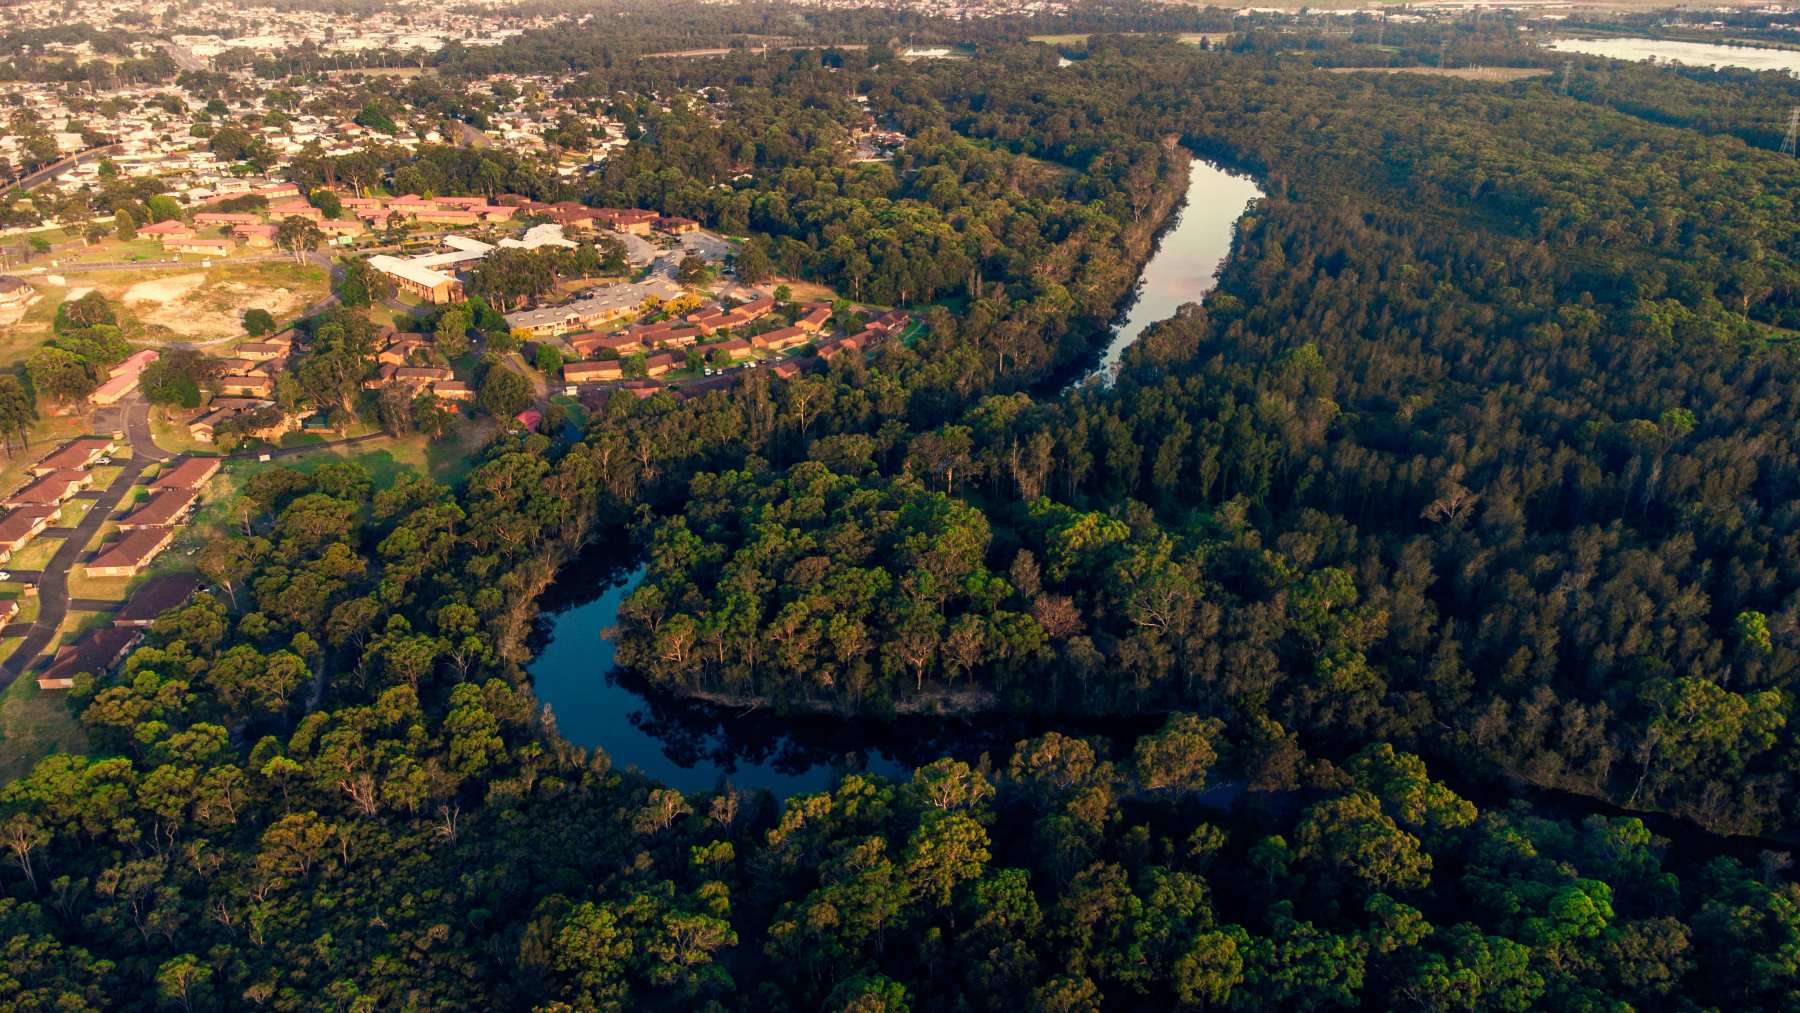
<point x="53" y="586"/>
<point x="56" y="169"/>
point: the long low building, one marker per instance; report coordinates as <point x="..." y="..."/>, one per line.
<point x="23" y="523"/>
<point x="52" y="490"/>
<point x="133" y="552"/>
<point x="75" y="455"/>
<point x="427" y="283"/>
<point x="94" y="654"/>
<point x="189" y="473"/>
<point x="613" y="304"/>
<point x="169" y="506"/>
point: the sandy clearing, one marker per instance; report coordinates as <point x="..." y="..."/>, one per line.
<point x="165" y="290"/>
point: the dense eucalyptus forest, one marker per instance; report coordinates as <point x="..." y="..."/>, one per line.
<point x="1478" y="467"/>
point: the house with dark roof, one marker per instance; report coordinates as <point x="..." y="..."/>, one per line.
<point x="74" y="455"/>
<point x="95" y="654"/>
<point x="169" y="506"/>
<point x="128" y="555"/>
<point x="190" y="473"/>
<point x="158" y="595"/>
<point x="52" y="490"/>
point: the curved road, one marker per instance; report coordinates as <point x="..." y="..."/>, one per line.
<point x="53" y="588"/>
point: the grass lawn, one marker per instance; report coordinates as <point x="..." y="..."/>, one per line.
<point x="103" y="588"/>
<point x="448" y="460"/>
<point x="28" y="607"/>
<point x="104" y="476"/>
<point x="35" y="555"/>
<point x="175" y="438"/>
<point x="807" y="291"/>
<point x="577" y="413"/>
<point x="33" y="724"/>
<point x="73" y="511"/>
<point x="115" y="250"/>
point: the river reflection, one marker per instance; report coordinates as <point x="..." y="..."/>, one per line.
<point x="695" y="746"/>
<point x="1185" y="266"/>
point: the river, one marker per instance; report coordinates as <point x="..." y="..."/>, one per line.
<point x="696" y="747"/>
<point x="692" y="747"/>
<point x="1694" y="54"/>
<point x="1185" y="264"/>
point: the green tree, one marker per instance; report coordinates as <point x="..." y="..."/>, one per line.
<point x="503" y="392"/>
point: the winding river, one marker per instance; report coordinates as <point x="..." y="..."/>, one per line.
<point x="697" y="747"/>
<point x="694" y="747"/>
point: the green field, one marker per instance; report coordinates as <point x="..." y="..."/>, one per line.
<point x="33" y="723"/>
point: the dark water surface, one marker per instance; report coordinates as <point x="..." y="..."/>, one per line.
<point x="694" y="747"/>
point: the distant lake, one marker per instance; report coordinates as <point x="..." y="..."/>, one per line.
<point x="1693" y="54"/>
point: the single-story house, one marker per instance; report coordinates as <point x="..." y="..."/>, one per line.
<point x="247" y="384"/>
<point x="74" y="455"/>
<point x="158" y="595"/>
<point x="781" y="339"/>
<point x="170" y="506"/>
<point x="589" y="372"/>
<point x="133" y="552"/>
<point x="95" y="654"/>
<point x="53" y="489"/>
<point x="206" y="247"/>
<point x="23" y="523"/>
<point x="171" y="229"/>
<point x="737" y="349"/>
<point x="190" y="473"/>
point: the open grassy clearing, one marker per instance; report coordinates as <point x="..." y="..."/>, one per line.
<point x="33" y="724"/>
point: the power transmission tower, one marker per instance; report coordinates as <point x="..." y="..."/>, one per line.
<point x="1568" y="65"/>
<point x="1443" y="51"/>
<point x="1790" y="145"/>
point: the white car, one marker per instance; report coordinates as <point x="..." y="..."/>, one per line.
<point x="5" y="575"/>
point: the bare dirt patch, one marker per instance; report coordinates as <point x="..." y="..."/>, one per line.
<point x="194" y="305"/>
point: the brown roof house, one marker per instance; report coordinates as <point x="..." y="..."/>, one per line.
<point x="588" y="372"/>
<point x="74" y="455"/>
<point x="191" y="473"/>
<point x="22" y="524"/>
<point x="158" y="595"/>
<point x="128" y="555"/>
<point x="169" y="506"/>
<point x="52" y="489"/>
<point x="95" y="654"/>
